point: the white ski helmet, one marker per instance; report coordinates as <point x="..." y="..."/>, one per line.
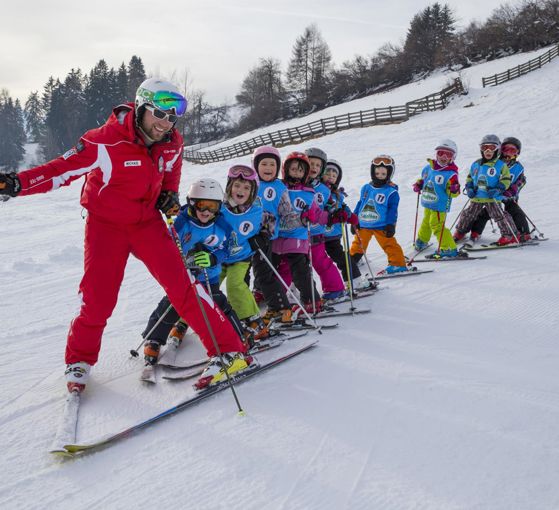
<point x="161" y="94"/>
<point x="448" y="145"/>
<point x="205" y="189"/>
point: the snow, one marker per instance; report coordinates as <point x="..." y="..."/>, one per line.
<point x="445" y="397"/>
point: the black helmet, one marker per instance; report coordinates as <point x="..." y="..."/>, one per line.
<point x="511" y="140"/>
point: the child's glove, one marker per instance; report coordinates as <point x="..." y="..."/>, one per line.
<point x="454" y="185"/>
<point x="354" y="228"/>
<point x="204" y="259"/>
<point x="258" y="242"/>
<point x="389" y="230"/>
<point x="470" y="190"/>
<point x="10" y="184"/>
<point x="418" y="186"/>
<point x="340" y="216"/>
<point x="309" y="215"/>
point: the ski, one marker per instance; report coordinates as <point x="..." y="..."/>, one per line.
<point x="337" y="313"/>
<point x="448" y="259"/>
<point x="301" y="324"/>
<point x="260" y="346"/>
<point x="409" y="272"/>
<point x="495" y="246"/>
<point x="66" y="432"/>
<point x="189" y="364"/>
<point x="411" y="257"/>
<point x="74" y="449"/>
<point x="356" y="295"/>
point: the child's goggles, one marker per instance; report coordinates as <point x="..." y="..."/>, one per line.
<point x="383" y="161"/>
<point x="489" y="147"/>
<point x="441" y="153"/>
<point x="509" y="150"/>
<point x="206" y="205"/>
<point x="245" y="172"/>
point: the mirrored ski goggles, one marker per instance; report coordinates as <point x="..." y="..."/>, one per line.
<point x="383" y="161"/>
<point x="509" y="150"/>
<point x="443" y="153"/>
<point x="489" y="147"/>
<point x="245" y="172"/>
<point x="161" y="115"/>
<point x="206" y="205"/>
<point x="165" y="100"/>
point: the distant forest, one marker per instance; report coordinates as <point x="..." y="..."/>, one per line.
<point x="56" y="117"/>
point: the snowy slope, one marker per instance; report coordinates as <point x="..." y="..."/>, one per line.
<point x="445" y="397"/>
<point x="471" y="77"/>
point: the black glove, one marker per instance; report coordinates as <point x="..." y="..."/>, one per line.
<point x="354" y="229"/>
<point x="168" y="203"/>
<point x="10" y="184"/>
<point x="258" y="242"/>
<point x="389" y="230"/>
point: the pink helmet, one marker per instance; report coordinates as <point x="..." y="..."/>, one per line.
<point x="266" y="151"/>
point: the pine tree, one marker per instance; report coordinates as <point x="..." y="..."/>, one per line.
<point x="98" y="94"/>
<point x="12" y="133"/>
<point x="121" y="86"/>
<point x="34" y="117"/>
<point x="136" y="75"/>
<point x="308" y="70"/>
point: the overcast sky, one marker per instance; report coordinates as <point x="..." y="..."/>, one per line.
<point x="216" y="41"/>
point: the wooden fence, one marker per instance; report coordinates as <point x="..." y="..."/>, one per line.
<point x="516" y="72"/>
<point x="376" y="116"/>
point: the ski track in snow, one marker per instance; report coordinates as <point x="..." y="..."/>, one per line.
<point x="444" y="397"/>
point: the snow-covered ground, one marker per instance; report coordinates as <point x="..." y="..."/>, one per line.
<point x="445" y="397"/>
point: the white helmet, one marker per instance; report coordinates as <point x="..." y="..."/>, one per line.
<point x="205" y="189"/>
<point x="448" y="145"/>
<point x="161" y="94"/>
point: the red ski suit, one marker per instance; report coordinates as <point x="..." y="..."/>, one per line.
<point x="123" y="179"/>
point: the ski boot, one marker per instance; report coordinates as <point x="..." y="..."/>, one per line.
<point x="177" y="334"/>
<point x="458" y="236"/>
<point x="525" y="238"/>
<point x="77" y="375"/>
<point x="278" y="316"/>
<point x="506" y="240"/>
<point x="235" y="362"/>
<point x="151" y="352"/>
<point x="419" y="244"/>
<point x="257" y="327"/>
<point x="394" y="269"/>
<point x="333" y="296"/>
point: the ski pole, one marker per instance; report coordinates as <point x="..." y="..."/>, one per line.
<point x="204" y="315"/>
<point x="364" y="254"/>
<point x="416" y="216"/>
<point x="291" y="293"/>
<point x="504" y="218"/>
<point x="532" y="223"/>
<point x="311" y="268"/>
<point x="134" y="352"/>
<point x="459" y="214"/>
<point x="347" y="264"/>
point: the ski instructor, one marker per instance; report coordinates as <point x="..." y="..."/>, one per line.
<point x="132" y="168"/>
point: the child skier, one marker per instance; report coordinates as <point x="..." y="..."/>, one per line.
<point x="510" y="150"/>
<point x="488" y="179"/>
<point x="438" y="185"/>
<point x="291" y="248"/>
<point x="377" y="211"/>
<point x="275" y="201"/>
<point x="242" y="212"/>
<point x="332" y="284"/>
<point x="202" y="243"/>
<point x="340" y="213"/>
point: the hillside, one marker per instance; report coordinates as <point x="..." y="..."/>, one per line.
<point x="445" y="397"/>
